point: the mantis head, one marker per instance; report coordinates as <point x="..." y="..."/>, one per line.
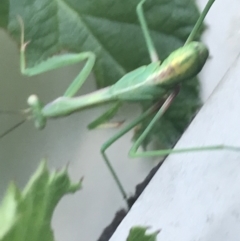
<point x="36" y="111"/>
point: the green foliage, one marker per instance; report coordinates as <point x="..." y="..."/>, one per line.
<point x="4" y="11"/>
<point x="139" y="234"/>
<point x="111" y="30"/>
<point x="26" y="215"/>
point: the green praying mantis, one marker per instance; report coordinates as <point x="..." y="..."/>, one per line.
<point x="156" y="81"/>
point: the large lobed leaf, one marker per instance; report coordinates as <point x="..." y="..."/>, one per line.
<point x="111" y="30"/>
<point x="26" y="215"/>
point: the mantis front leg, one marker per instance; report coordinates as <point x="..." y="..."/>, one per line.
<point x="56" y="62"/>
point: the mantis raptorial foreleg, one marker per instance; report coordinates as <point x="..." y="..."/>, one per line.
<point x="61" y="61"/>
<point x="56" y="62"/>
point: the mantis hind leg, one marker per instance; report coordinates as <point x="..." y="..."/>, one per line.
<point x="133" y="151"/>
<point x="56" y="62"/>
<point x="199" y="23"/>
<point x="123" y="131"/>
<point x="150" y="45"/>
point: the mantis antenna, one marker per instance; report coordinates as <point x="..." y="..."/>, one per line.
<point x="13" y="112"/>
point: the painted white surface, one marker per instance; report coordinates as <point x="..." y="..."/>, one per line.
<point x="67" y="140"/>
<point x="195" y="196"/>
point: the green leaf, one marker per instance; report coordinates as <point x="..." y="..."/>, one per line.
<point x="27" y="215"/>
<point x="139" y="234"/>
<point x="111" y="30"/>
<point x="4" y="11"/>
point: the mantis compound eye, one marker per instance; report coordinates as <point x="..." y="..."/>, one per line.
<point x="36" y="109"/>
